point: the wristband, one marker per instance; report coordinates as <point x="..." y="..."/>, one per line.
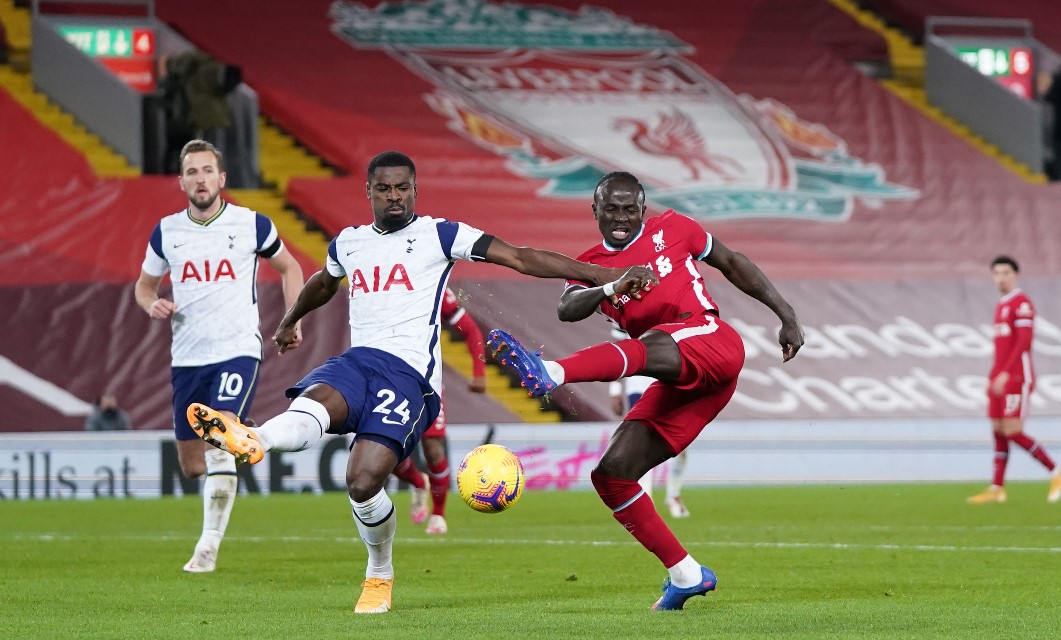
<point x="608" y="290"/>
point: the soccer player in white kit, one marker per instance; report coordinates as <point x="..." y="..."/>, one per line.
<point x="384" y="389"/>
<point x="211" y="251"/>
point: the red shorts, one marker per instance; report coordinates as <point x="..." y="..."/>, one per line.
<point x="1014" y="401"/>
<point x="712" y="355"/>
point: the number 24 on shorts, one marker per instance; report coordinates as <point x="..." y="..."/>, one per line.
<point x="384" y="407"/>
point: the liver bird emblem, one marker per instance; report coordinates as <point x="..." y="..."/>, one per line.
<point x="676" y="136"/>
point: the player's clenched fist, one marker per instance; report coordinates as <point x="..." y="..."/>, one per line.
<point x="636" y="279"/>
<point x="791" y="339"/>
<point x="630" y="282"/>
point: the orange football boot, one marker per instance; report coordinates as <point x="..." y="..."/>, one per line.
<point x="225" y="434"/>
<point x="375" y="596"/>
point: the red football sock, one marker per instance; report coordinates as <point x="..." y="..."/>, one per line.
<point x="1001" y="458"/>
<point x="605" y="362"/>
<point x="639" y="516"/>
<point x="1034" y="448"/>
<point x="408" y="472"/>
<point x="438" y="474"/>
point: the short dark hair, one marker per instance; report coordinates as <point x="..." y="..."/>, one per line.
<point x="390" y="159"/>
<point x="1006" y="260"/>
<point x="623" y="176"/>
<point x="195" y="146"/>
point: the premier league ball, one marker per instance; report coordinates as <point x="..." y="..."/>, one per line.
<point x="490" y="478"/>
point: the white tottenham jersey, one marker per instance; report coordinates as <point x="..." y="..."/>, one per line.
<point x="214" y="267"/>
<point x="397" y="280"/>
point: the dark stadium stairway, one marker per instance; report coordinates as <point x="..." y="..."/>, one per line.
<point x="907" y="81"/>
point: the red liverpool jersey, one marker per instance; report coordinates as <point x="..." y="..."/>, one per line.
<point x="1014" y="321"/>
<point x="669" y="244"/>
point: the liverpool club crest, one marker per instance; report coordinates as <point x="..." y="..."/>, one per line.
<point x="567" y="96"/>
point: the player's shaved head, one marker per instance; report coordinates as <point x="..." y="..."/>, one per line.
<point x="624" y="177"/>
<point x="390" y="159"/>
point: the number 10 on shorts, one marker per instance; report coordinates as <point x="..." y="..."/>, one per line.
<point x="231" y="385"/>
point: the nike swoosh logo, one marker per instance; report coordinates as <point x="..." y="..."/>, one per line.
<point x="178" y="246"/>
<point x="351" y="252"/>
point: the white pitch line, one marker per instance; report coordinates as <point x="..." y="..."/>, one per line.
<point x="453" y="540"/>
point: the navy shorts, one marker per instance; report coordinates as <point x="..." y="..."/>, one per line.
<point x="225" y="386"/>
<point x="387" y="400"/>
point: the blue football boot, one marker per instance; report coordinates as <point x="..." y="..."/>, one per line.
<point x="528" y="365"/>
<point x="673" y="598"/>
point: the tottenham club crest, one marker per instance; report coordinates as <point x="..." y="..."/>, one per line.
<point x="567" y="96"/>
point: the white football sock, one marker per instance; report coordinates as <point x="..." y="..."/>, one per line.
<point x="676" y="475"/>
<point x="219" y="493"/>
<point x="686" y="573"/>
<point x="555" y="371"/>
<point x="376" y="524"/>
<point x="298" y="428"/>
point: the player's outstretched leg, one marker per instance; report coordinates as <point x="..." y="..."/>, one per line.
<point x="602" y="362"/>
<point x="225" y="434"/>
<point x="528" y="365"/>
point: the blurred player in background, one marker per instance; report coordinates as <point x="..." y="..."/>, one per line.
<point x="385" y="389"/>
<point x="211" y="251"/>
<point x="680" y="341"/>
<point x="1012" y="381"/>
<point x="434" y="439"/>
<point x="624" y="394"/>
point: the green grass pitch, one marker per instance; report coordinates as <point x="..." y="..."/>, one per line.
<point x="898" y="561"/>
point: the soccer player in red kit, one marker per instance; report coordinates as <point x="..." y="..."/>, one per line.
<point x="677" y="338"/>
<point x="434" y="439"/>
<point x="1011" y="381"/>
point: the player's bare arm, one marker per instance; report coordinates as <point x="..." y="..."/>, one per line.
<point x="579" y="303"/>
<point x="146" y="293"/>
<point x="549" y="264"/>
<point x="291" y="280"/>
<point x="747" y="277"/>
<point x="318" y="290"/>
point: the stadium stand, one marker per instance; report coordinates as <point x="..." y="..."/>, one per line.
<point x="911" y="14"/>
<point x="70" y="248"/>
<point x="793" y="53"/>
<point x="866" y="208"/>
